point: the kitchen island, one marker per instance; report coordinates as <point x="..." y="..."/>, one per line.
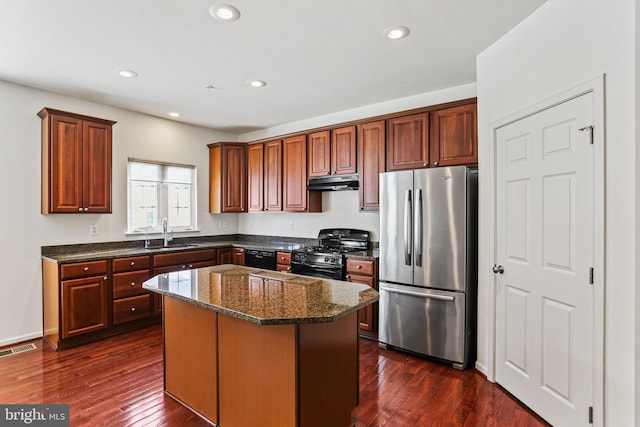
<point x="252" y="347"/>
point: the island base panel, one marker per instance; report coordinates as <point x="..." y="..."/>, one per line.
<point x="190" y="356"/>
<point x="257" y="376"/>
<point x="328" y="372"/>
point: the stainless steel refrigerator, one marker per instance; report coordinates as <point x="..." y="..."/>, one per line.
<point x="428" y="262"/>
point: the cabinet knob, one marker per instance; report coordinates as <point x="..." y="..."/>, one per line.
<point x="86" y="209"/>
<point x="358" y="266"/>
<point x="184" y="267"/>
<point x="133" y="309"/>
<point x="425" y="164"/>
<point x="288" y="268"/>
<point x="348" y="277"/>
<point x="282" y="258"/>
<point x="105" y="278"/>
<point x="133" y="263"/>
<point x="79" y="209"/>
<point x="133" y="283"/>
<point x="436" y="163"/>
<point x="86" y="269"/>
<point x="190" y="265"/>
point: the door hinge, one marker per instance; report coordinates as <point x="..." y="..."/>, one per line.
<point x="591" y="275"/>
<point x="590" y="129"/>
<point x="590" y="414"/>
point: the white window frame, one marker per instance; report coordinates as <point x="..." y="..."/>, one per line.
<point x="163" y="202"/>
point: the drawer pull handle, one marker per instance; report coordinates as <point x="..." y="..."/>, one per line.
<point x="86" y="269"/>
<point x="133" y="309"/>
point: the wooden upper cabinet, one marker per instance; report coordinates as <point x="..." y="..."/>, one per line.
<point x="76" y="163"/>
<point x="273" y="176"/>
<point x="296" y="197"/>
<point x="255" y="180"/>
<point x="332" y="152"/>
<point x="320" y="153"/>
<point x="227" y="177"/>
<point x="343" y="150"/>
<point x="371" y="162"/>
<point x="454" y="136"/>
<point x="408" y="142"/>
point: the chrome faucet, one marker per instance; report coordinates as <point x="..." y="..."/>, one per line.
<point x="165" y="235"/>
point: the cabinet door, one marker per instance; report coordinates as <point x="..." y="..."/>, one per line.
<point x="343" y="150"/>
<point x="371" y="158"/>
<point x="454" y="136"/>
<point x="65" y="168"/>
<point x="365" y="315"/>
<point x="295" y="173"/>
<point x="273" y="176"/>
<point x="234" y="178"/>
<point x="84" y="306"/>
<point x="255" y="184"/>
<point x="319" y="153"/>
<point x="238" y="256"/>
<point x="96" y="167"/>
<point x="408" y="142"/>
<point x="225" y="256"/>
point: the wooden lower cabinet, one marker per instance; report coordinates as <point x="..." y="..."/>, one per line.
<point x="283" y="261"/>
<point x="85" y="301"/>
<point x="365" y="272"/>
<point x="225" y="256"/>
<point x="85" y="306"/>
<point x="238" y="256"/>
<point x="245" y="374"/>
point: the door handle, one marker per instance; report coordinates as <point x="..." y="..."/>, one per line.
<point x="418" y="228"/>
<point x="498" y="269"/>
<point x="418" y="294"/>
<point x="407" y="227"/>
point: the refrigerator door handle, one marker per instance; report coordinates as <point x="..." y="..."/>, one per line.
<point x="418" y="294"/>
<point x="418" y="228"/>
<point x="407" y="227"/>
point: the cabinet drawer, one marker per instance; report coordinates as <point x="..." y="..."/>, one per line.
<point x="359" y="266"/>
<point x="185" y="257"/>
<point x="129" y="284"/>
<point x="133" y="308"/>
<point x="189" y="266"/>
<point x="131" y="264"/>
<point x="283" y="258"/>
<point x="365" y="280"/>
<point x="283" y="268"/>
<point x="83" y="269"/>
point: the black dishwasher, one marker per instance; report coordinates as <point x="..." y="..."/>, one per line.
<point x="260" y="258"/>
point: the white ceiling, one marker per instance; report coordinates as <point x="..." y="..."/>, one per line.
<point x="317" y="56"/>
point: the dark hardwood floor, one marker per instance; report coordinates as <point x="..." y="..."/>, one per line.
<point x="118" y="382"/>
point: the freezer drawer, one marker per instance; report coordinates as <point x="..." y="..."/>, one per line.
<point x="423" y="321"/>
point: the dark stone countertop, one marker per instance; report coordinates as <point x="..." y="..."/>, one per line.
<point x="63" y="254"/>
<point x="264" y="297"/>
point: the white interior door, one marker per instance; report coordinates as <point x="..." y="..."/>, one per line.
<point x="545" y="250"/>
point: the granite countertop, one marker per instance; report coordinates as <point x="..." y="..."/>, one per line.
<point x="262" y="296"/>
<point x="99" y="251"/>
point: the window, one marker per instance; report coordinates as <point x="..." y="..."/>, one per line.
<point x="157" y="190"/>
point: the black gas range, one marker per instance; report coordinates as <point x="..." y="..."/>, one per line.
<point x="327" y="259"/>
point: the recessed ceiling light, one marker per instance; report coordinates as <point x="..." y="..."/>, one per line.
<point x="224" y="12"/>
<point x="396" y="33"/>
<point x="174" y="114"/>
<point x="127" y="73"/>
<point x="257" y="83"/>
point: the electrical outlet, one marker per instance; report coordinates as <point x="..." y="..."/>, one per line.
<point x="93" y="229"/>
<point x="222" y="224"/>
<point x="291" y="226"/>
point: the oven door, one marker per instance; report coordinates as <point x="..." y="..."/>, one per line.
<point x="321" y="271"/>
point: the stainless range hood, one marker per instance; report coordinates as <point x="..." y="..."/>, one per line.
<point x="334" y="183"/>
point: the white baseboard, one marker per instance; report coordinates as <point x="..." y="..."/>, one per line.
<point x="481" y="368"/>
<point x="21" y="338"/>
